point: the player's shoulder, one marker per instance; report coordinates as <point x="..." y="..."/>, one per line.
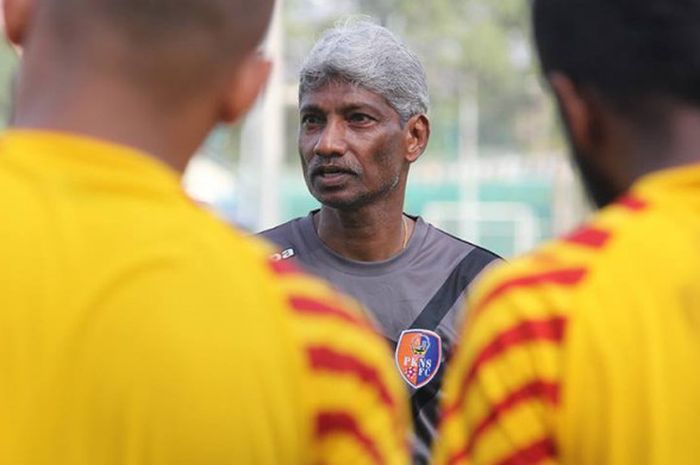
<point x="243" y="264"/>
<point x="240" y="269"/>
<point x="220" y="243"/>
<point x="559" y="269"/>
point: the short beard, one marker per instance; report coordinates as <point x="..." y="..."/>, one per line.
<point x="361" y="200"/>
<point x="600" y="189"/>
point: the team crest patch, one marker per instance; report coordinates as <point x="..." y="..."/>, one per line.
<point x="418" y="356"/>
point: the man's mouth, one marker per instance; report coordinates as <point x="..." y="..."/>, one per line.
<point x="331" y="172"/>
<point x="331" y="177"/>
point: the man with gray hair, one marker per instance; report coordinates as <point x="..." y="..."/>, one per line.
<point x="363" y="102"/>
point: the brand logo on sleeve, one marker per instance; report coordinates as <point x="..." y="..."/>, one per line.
<point x="286" y="254"/>
<point x="418" y="356"/>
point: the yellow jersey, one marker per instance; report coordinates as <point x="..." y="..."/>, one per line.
<point x="136" y="329"/>
<point x="587" y="351"/>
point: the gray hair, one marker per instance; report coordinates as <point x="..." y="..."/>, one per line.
<point x="370" y="56"/>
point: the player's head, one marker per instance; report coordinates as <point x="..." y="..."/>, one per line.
<point x="621" y="69"/>
<point x="363" y="101"/>
<point x="169" y="50"/>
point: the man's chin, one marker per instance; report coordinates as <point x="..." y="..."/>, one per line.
<point x="339" y="201"/>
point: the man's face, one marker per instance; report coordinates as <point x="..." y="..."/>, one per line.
<point x="352" y="145"/>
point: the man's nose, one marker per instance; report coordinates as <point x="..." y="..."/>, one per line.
<point x="331" y="142"/>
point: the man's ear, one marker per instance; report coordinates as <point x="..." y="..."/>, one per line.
<point x="244" y="87"/>
<point x="417" y="136"/>
<point x="17" y="17"/>
<point x="576" y="111"/>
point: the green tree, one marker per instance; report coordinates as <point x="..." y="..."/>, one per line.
<point x="474" y="50"/>
<point x="8" y="67"/>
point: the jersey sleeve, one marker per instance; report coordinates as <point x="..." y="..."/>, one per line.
<point x="503" y="385"/>
<point x="357" y="406"/>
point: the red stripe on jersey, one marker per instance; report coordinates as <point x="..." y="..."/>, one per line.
<point x="551" y="330"/>
<point x="548" y="392"/>
<point x="533" y="454"/>
<point x="530" y="455"/>
<point x="632" y="203"/>
<point x="458" y="457"/>
<point x="331" y="423"/>
<point x="309" y="306"/>
<point x="589" y="237"/>
<point x="326" y="359"/>
<point x="284" y="267"/>
<point x="563" y="277"/>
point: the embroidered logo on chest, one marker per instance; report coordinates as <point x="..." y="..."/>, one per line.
<point x="418" y="356"/>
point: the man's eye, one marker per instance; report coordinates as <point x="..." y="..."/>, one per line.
<point x="360" y="118"/>
<point x="310" y="120"/>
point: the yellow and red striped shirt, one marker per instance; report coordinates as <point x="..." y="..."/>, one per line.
<point x="587" y="350"/>
<point x="136" y="329"/>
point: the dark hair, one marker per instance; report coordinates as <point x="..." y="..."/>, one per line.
<point x="634" y="53"/>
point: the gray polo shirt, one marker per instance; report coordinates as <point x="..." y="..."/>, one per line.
<point x="420" y="288"/>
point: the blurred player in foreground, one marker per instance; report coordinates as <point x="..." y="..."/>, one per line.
<point x="363" y="102"/>
<point x="587" y="351"/>
<point x="135" y="329"/>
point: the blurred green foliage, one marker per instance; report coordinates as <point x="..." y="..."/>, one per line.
<point x="472" y="49"/>
<point x="8" y="67"/>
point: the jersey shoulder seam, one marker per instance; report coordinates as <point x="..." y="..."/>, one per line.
<point x="286" y="224"/>
<point x="484" y="250"/>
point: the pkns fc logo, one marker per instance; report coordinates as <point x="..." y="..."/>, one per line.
<point x="418" y="356"/>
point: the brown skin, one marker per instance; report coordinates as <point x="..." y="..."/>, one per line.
<point x="64" y="91"/>
<point x="356" y="155"/>
<point x="611" y="150"/>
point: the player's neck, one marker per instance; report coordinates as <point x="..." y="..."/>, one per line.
<point x="680" y="147"/>
<point x="371" y="234"/>
<point x="106" y="109"/>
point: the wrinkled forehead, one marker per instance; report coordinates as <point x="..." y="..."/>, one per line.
<point x="338" y="94"/>
<point x="313" y="83"/>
